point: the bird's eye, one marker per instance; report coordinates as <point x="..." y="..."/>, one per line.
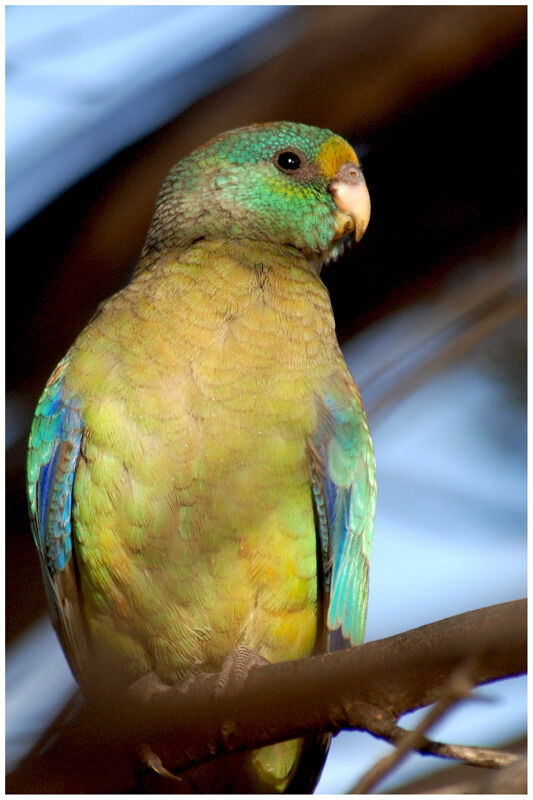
<point x="288" y="161"/>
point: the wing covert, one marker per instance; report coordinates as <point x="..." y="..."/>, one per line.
<point x="53" y="453"/>
<point x="345" y="486"/>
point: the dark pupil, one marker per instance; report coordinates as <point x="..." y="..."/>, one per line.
<point x="289" y="160"/>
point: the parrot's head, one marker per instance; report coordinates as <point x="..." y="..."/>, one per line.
<point x="282" y="182"/>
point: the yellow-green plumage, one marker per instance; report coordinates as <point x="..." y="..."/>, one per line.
<point x="207" y="394"/>
<point x="199" y="426"/>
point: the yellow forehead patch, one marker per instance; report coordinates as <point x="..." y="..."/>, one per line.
<point x="333" y="154"/>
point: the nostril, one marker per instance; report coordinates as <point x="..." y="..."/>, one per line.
<point x="349" y="172"/>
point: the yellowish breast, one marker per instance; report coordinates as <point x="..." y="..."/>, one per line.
<point x="192" y="504"/>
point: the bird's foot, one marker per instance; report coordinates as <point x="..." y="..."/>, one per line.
<point x="142" y="691"/>
<point x="153" y="762"/>
<point x="235" y="670"/>
<point x="147" y="687"/>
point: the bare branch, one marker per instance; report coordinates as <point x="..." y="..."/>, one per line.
<point x="352" y="689"/>
<point x="475" y="756"/>
<point x="461" y="778"/>
<point x="457" y="688"/>
<point x="362" y="688"/>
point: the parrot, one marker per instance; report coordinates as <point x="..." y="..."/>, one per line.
<point x="201" y="475"/>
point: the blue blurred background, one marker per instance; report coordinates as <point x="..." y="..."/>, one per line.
<point x="430" y="307"/>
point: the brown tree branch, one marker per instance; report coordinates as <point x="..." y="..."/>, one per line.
<point x="457" y="688"/>
<point x="361" y="688"/>
<point x="348" y="689"/>
<point x="475" y="756"/>
<point x="461" y="778"/>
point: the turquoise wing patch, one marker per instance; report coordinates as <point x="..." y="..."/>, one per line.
<point x="344" y="488"/>
<point x="54" y="448"/>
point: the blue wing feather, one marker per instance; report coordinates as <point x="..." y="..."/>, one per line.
<point x="346" y="481"/>
<point x="53" y="453"/>
<point x="54" y="448"/>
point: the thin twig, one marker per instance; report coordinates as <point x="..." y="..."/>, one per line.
<point x="457" y="688"/>
<point x="475" y="756"/>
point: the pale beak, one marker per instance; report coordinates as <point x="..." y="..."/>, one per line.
<point x="348" y="189"/>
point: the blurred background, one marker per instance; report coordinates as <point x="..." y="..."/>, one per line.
<point x="430" y="306"/>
